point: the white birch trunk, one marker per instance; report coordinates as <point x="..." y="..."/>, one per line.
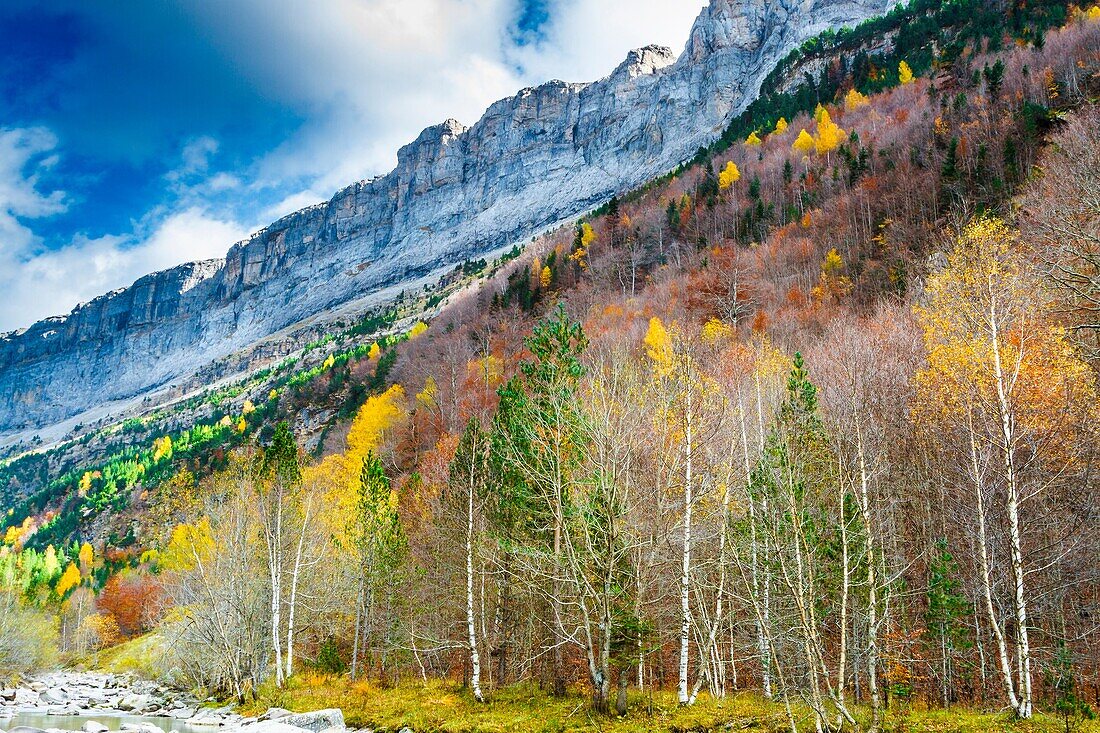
<point x="294" y="592"/>
<point x="685" y="574"/>
<point x="987" y="581"/>
<point x="471" y="625"/>
<point x="872" y="585"/>
<point x="1008" y="428"/>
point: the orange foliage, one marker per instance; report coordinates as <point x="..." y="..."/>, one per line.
<point x="134" y="600"/>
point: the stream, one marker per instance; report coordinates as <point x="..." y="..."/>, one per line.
<point x="138" y="723"/>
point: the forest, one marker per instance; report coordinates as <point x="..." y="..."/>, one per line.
<point x="815" y="417"/>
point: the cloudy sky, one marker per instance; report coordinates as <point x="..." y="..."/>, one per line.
<point x="139" y="134"/>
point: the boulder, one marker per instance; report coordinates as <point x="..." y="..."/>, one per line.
<point x="317" y="721"/>
<point x="54" y="696"/>
<point x="275" y="726"/>
<point x="94" y="726"/>
<point x="275" y="714"/>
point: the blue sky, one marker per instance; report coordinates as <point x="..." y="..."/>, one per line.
<point x="139" y="134"/>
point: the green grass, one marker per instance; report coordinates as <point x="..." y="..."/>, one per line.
<point x="141" y="656"/>
<point x="446" y="707"/>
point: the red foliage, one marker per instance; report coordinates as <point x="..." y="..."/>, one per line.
<point x="134" y="599"/>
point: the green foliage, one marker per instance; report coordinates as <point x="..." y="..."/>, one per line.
<point x="280" y="459"/>
<point x="377" y="531"/>
<point x="329" y="659"/>
<point x="1068" y="703"/>
<point x="945" y="619"/>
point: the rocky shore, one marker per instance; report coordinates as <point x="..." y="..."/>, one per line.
<point x="102" y="697"/>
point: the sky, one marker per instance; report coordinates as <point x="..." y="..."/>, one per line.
<point x="136" y="135"/>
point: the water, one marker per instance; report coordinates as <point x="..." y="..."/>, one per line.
<point x="111" y="721"/>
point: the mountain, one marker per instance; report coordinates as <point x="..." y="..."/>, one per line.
<point x="534" y="160"/>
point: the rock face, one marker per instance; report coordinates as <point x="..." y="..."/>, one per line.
<point x="533" y="160"/>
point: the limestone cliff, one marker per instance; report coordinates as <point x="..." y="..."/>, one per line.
<point x="533" y="160"/>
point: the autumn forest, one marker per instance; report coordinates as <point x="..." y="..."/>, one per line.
<point x="814" y="418"/>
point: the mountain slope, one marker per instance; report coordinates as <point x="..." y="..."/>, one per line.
<point x="533" y="160"/>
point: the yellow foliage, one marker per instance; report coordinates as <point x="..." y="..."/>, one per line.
<point x="377" y="415"/>
<point x="226" y="421"/>
<point x="832" y="284"/>
<point x="729" y="176"/>
<point x="819" y="112"/>
<point x="375" y="351"/>
<point x="13" y="536"/>
<point x="489" y="370"/>
<point x="417" y="329"/>
<point x="162" y="448"/>
<point x="854" y="100"/>
<point x="715" y="331"/>
<point x="329" y="362"/>
<point x="98" y="631"/>
<point x="781" y="126"/>
<point x="807" y="220"/>
<point x="86" y="558"/>
<point x="829" y="134"/>
<point x="588" y="235"/>
<point x="804" y="143"/>
<point x="427" y="396"/>
<point x="273" y="394"/>
<point x="68" y="580"/>
<point x="1094" y="13"/>
<point x="242" y="425"/>
<point x="189" y="545"/>
<point x="85" y="483"/>
<point x="988" y="282"/>
<point x="50" y="564"/>
<point x="753" y="139"/>
<point x="248" y="408"/>
<point x="905" y="74"/>
<point x="658" y="347"/>
<point x="545" y="278"/>
<point x="769" y="361"/>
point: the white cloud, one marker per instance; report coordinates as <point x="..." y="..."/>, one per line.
<point x="25" y="153"/>
<point x="586" y="39"/>
<point x="370" y="74"/>
<point x="53" y="282"/>
<point x="194" y="158"/>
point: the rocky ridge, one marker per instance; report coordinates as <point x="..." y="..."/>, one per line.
<point x="533" y="161"/>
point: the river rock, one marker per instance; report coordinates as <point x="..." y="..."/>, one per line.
<point x="275" y="714"/>
<point x="55" y="696"/>
<point x="94" y="726"/>
<point x="316" y="721"/>
<point x="25" y="729"/>
<point x="275" y="726"/>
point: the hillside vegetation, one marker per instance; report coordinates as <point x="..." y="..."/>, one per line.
<point x="804" y="435"/>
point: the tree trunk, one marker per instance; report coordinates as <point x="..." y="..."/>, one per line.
<point x="987" y="580"/>
<point x="475" y="659"/>
<point x="294" y="593"/>
<point x="685" y="574"/>
<point x="1008" y="434"/>
<point x="872" y="586"/>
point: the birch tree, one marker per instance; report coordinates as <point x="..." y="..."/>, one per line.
<point x="1007" y="388"/>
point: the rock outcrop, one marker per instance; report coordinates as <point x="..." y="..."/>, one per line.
<point x="533" y="160"/>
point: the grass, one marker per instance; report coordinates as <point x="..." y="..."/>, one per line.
<point x="445" y="707"/>
<point x="141" y="656"/>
